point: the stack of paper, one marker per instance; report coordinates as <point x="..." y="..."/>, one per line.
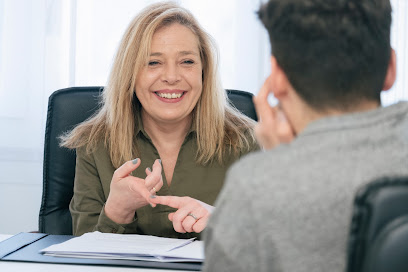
<point x="129" y="247"/>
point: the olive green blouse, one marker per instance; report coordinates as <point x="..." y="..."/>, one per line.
<point x="93" y="177"/>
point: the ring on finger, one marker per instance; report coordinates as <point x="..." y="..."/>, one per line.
<point x="154" y="190"/>
<point x="193" y="216"/>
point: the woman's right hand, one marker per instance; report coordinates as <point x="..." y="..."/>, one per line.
<point x="129" y="193"/>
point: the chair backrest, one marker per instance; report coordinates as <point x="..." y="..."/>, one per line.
<point x="378" y="240"/>
<point x="67" y="108"/>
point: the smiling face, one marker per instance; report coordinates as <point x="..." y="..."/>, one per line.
<point x="170" y="84"/>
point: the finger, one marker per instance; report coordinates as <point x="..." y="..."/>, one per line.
<point x="138" y="186"/>
<point x="261" y="103"/>
<point x="266" y="114"/>
<point x="157" y="167"/>
<point x="171" y="215"/>
<point x="200" y="225"/>
<point x="161" y="182"/>
<point x="265" y="111"/>
<point x="154" y="184"/>
<point x="267" y="131"/>
<point x="126" y="168"/>
<point x="265" y="89"/>
<point x="179" y="217"/>
<point x="188" y="223"/>
<point x="156" y="181"/>
<point x="153" y="191"/>
<point x="155" y="176"/>
<point x="193" y="216"/>
<point x="156" y="187"/>
<point x="171" y="201"/>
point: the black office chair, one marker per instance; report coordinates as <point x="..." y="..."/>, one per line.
<point x="378" y="239"/>
<point x="67" y="108"/>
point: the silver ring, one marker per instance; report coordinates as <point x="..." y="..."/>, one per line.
<point x="193" y="216"/>
<point x="154" y="189"/>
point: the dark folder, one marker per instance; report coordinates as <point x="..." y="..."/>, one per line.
<point x="25" y="247"/>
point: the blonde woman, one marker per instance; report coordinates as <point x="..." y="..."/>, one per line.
<point x="165" y="127"/>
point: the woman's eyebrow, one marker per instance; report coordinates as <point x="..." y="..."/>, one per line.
<point x="182" y="53"/>
<point x="155" y="54"/>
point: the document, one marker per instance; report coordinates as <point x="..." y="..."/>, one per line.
<point x="129" y="247"/>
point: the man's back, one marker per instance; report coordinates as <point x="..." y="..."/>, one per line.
<point x="290" y="208"/>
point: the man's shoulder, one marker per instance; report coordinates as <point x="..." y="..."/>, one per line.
<point x="261" y="161"/>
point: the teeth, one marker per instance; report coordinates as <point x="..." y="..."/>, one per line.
<point x="169" y="96"/>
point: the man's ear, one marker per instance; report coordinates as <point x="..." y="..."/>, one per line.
<point x="279" y="81"/>
<point x="391" y="71"/>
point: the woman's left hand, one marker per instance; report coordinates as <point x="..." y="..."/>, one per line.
<point x="191" y="215"/>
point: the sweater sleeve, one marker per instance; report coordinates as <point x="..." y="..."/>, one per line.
<point x="228" y="229"/>
<point x="234" y="240"/>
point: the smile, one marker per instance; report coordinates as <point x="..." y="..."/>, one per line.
<point x="169" y="95"/>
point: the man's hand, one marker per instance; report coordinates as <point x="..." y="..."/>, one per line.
<point x="273" y="128"/>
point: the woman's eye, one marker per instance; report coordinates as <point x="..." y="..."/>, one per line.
<point x="153" y="63"/>
<point x="188" y="61"/>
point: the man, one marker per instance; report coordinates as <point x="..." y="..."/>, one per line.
<point x="289" y="208"/>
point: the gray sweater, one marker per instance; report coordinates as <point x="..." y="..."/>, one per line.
<point x="289" y="209"/>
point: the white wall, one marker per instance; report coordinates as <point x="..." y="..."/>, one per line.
<point x="399" y="41"/>
<point x="21" y="119"/>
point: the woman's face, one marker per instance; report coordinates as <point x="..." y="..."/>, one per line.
<point x="169" y="85"/>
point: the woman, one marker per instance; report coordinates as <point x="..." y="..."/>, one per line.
<point x="164" y="106"/>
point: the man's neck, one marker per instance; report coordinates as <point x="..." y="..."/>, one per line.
<point x="301" y="115"/>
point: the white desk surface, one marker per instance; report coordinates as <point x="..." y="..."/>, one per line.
<point x="43" y="267"/>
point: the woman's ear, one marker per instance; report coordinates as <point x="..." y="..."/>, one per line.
<point x="391" y="71"/>
<point x="279" y="81"/>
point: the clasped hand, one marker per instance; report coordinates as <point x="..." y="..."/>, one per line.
<point x="129" y="193"/>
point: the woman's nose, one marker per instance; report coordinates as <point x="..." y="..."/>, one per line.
<point x="171" y="74"/>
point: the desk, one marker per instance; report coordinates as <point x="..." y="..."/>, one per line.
<point x="43" y="267"/>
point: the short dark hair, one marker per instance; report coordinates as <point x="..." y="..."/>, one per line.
<point x="335" y="53"/>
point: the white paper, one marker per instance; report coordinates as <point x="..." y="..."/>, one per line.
<point x="129" y="247"/>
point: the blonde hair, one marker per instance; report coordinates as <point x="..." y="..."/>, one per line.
<point x="218" y="125"/>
